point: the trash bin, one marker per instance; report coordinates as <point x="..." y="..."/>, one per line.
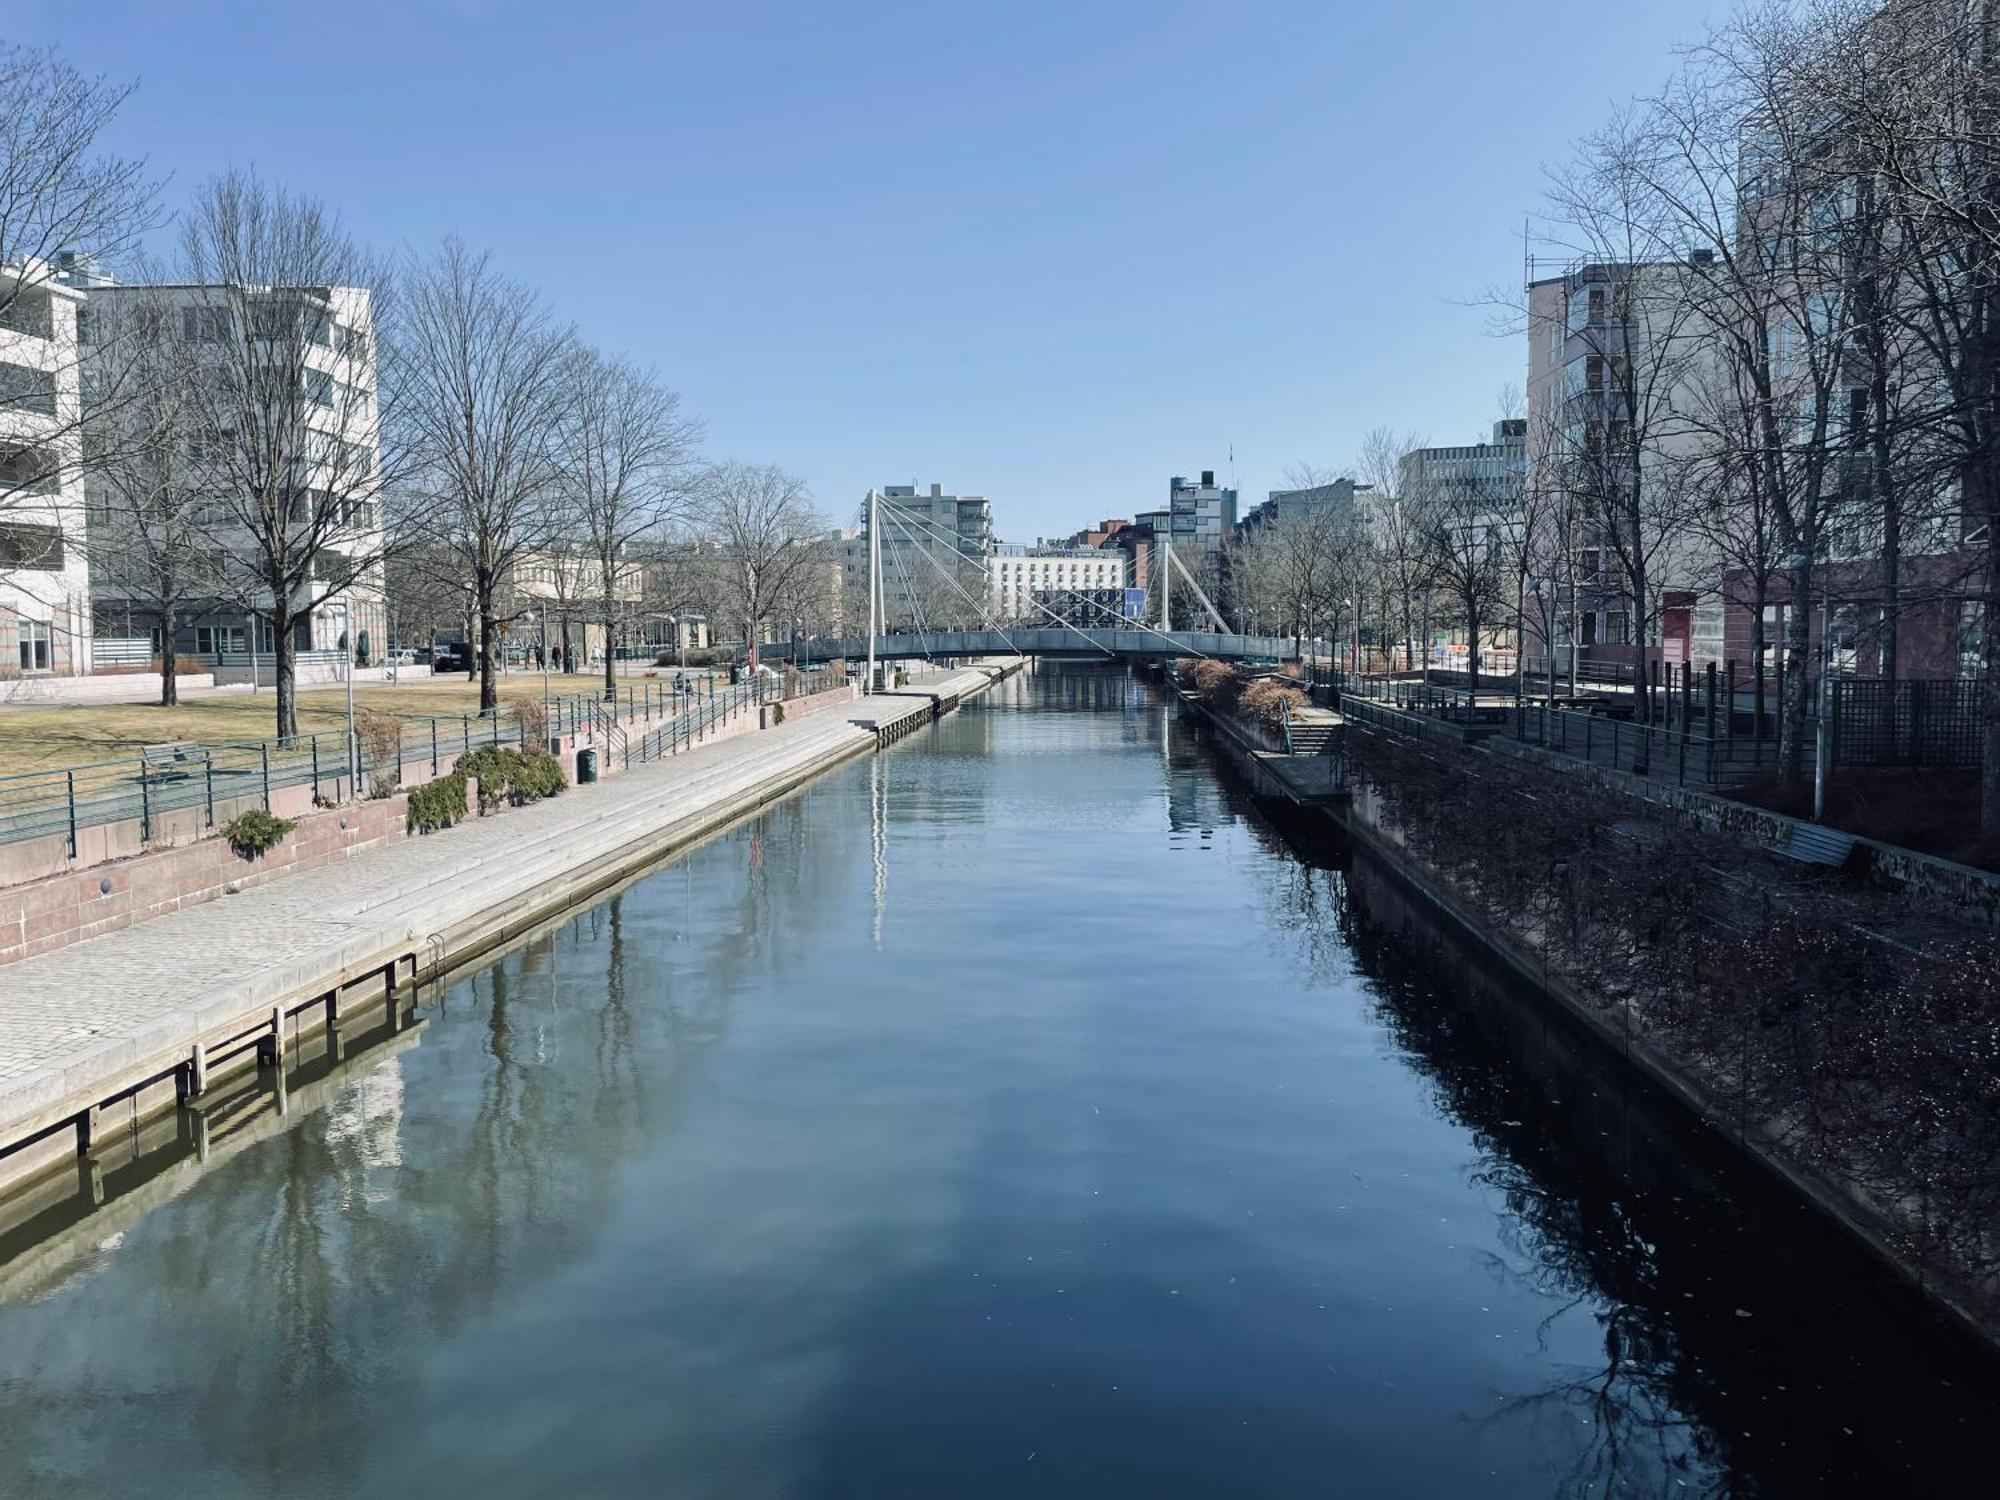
<point x="586" y="766"/>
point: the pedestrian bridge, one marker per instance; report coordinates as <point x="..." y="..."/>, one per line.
<point x="1065" y="640"/>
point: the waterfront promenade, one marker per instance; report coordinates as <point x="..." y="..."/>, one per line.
<point x="139" y="1015"/>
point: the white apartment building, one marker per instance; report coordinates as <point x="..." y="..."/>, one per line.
<point x="1080" y="585"/>
<point x="225" y="627"/>
<point x="44" y="563"/>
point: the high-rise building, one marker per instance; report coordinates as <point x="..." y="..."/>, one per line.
<point x="1202" y="516"/>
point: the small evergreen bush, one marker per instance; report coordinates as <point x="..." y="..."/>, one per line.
<point x="436" y="804"/>
<point x="255" y="832"/>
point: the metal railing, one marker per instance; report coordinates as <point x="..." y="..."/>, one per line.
<point x="642" y="722"/>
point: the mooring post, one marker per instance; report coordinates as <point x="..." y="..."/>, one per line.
<point x="197" y="1071"/>
<point x="276" y="1046"/>
<point x="86" y="1130"/>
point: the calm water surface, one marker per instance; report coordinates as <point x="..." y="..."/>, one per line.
<point x="1014" y="1113"/>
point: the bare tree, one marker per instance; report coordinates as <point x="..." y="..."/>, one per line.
<point x="1622" y="451"/>
<point x="626" y="456"/>
<point x="1403" y="564"/>
<point x="58" y="191"/>
<point x="484" y="376"/>
<point x="276" y="344"/>
<point x="153" y="535"/>
<point x="768" y="537"/>
<point x="1915" y="88"/>
<point x="1466" y="519"/>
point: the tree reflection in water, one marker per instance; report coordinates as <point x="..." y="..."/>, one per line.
<point x="1713" y="1290"/>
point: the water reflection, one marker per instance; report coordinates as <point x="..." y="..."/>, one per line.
<point x="1018" y="1111"/>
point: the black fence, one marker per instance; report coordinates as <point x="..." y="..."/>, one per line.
<point x="1906" y="723"/>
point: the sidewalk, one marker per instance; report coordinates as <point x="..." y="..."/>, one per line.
<point x="92" y="1022"/>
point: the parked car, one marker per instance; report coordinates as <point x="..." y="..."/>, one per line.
<point x="454" y="656"/>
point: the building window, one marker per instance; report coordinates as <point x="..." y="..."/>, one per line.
<point x="205" y="325"/>
<point x="28" y="471"/>
<point x="1971" y="637"/>
<point x="28" y="311"/>
<point x="25" y="389"/>
<point x="36" y="547"/>
<point x="213" y="640"/>
<point x="37" y="646"/>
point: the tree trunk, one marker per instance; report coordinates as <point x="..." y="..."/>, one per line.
<point x="1798" y="641"/>
<point x="1889" y="500"/>
<point x="1760" y="598"/>
<point x="1989" y="694"/>
<point x="170" y="684"/>
<point x="489" y="652"/>
<point x="284" y="661"/>
<point x="1472" y="623"/>
<point x="610" y="654"/>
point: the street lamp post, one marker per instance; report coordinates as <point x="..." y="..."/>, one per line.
<point x="347" y="671"/>
<point x="540" y="619"/>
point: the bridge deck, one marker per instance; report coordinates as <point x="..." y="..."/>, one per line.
<point x="1122" y="645"/>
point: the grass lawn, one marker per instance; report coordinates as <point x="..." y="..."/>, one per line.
<point x="33" y="739"/>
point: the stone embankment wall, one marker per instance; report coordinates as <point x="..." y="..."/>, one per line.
<point x="63" y="909"/>
<point x="118" y="879"/>
<point x="1840" y="1032"/>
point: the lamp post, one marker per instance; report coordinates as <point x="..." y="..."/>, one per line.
<point x="540" y="618"/>
<point x="347" y="671"/>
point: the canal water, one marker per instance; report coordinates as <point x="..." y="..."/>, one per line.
<point x="1016" y="1112"/>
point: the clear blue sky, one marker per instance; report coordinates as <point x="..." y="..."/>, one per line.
<point x="1047" y="252"/>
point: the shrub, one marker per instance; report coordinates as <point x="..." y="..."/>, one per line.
<point x="1265" y="701"/>
<point x="534" y="721"/>
<point x="381" y="737"/>
<point x="255" y="832"/>
<point x="1218" y="683"/>
<point x="509" y="775"/>
<point x="437" y="804"/>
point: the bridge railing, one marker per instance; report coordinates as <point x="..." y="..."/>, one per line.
<point x="1068" y="640"/>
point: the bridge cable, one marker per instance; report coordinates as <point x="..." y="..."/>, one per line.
<point x="911" y="521"/>
<point x="986" y="572"/>
<point x="938" y="534"/>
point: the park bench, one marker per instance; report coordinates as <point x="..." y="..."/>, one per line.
<point x="1815" y="844"/>
<point x="179" y="758"/>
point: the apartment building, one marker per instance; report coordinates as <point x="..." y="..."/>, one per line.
<point x="1617" y="357"/>
<point x="934" y="553"/>
<point x="1045" y="584"/>
<point x="45" y="618"/>
<point x="244" y="345"/>
<point x="1474" y="491"/>
<point x="1201" y="516"/>
<point x="1289" y="507"/>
